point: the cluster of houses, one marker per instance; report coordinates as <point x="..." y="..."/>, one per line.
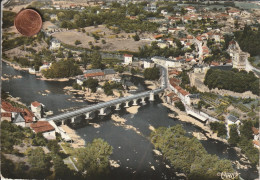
<point x="101" y="75"/>
<point x="27" y="118"/>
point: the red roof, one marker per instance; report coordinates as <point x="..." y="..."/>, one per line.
<point x="175" y="99"/>
<point x="189" y="37"/>
<point x="28" y="116"/>
<point x="255" y="130"/>
<point x="6" y="114"/>
<point x="6" y="106"/>
<point x="128" y="55"/>
<point x="170" y="94"/>
<point x="183" y="92"/>
<point x="158" y="36"/>
<point x="214" y="63"/>
<point x="42" y="126"/>
<point x="189" y="59"/>
<point x="256" y="142"/>
<point x="94" y="74"/>
<point x="36" y="104"/>
<point x="174" y="72"/>
<point x="199" y="38"/>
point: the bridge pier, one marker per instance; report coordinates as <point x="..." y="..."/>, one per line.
<point x="72" y="119"/>
<point x="117" y="107"/>
<point x="126" y="104"/>
<point x="102" y="112"/>
<point x="151" y="98"/>
<point x="135" y="102"/>
<point x="87" y="115"/>
<point x="143" y="101"/>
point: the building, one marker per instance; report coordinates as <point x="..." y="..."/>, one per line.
<point x="54" y="17"/>
<point x="256" y="133"/>
<point x="44" y="127"/>
<point x="147" y="63"/>
<point x="36" y="108"/>
<point x="95" y="74"/>
<point x="19" y="120"/>
<point x="238" y="57"/>
<point x="55" y="44"/>
<point x="44" y="67"/>
<point x="128" y="59"/>
<point x="110" y="74"/>
<point x="168" y="62"/>
<point x="9" y="108"/>
<point x="7" y="116"/>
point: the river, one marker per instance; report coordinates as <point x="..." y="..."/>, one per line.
<point x="133" y="151"/>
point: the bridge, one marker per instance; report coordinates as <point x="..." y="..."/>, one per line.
<point x="101" y="107"/>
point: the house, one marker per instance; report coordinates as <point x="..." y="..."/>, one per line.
<point x="44" y="127"/>
<point x="55" y="44"/>
<point x="256" y="133"/>
<point x="9" y="108"/>
<point x="148" y="63"/>
<point x="54" y="17"/>
<point x="6" y="116"/>
<point x="190" y="9"/>
<point x="128" y="59"/>
<point x="94" y="73"/>
<point x="44" y="67"/>
<point x="167" y="62"/>
<point x="162" y="44"/>
<point x="256" y="144"/>
<point x="232" y="120"/>
<point x="28" y="116"/>
<point x="19" y="120"/>
<point x="36" y="108"/>
<point x="110" y="74"/>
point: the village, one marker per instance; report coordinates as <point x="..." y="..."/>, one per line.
<point x="198" y="43"/>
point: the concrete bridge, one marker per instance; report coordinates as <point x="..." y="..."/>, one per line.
<point x="101" y="107"/>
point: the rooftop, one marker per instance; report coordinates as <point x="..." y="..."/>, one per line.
<point x="42" y="126"/>
<point x="36" y="104"/>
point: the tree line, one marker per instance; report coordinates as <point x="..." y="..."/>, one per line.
<point x="234" y="80"/>
<point x="187" y="154"/>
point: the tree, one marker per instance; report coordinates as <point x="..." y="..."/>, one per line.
<point x="133" y="71"/>
<point x="152" y="73"/>
<point x="188" y="154"/>
<point x="246" y="130"/>
<point x="94" y="158"/>
<point x="233" y="135"/>
<point x="180" y="105"/>
<point x="96" y="60"/>
<point x="136" y="37"/>
<point x="40" y="163"/>
<point x="62" y="69"/>
<point x="91" y="84"/>
<point x="77" y="42"/>
<point x="85" y="59"/>
<point x="53" y="146"/>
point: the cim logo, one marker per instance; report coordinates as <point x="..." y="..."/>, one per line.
<point x="226" y="175"/>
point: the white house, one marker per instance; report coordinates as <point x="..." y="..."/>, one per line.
<point x="36" y="108"/>
<point x="44" y="127"/>
<point x="167" y="62"/>
<point x="148" y="63"/>
<point x="128" y="59"/>
<point x="55" y="44"/>
<point x="53" y="17"/>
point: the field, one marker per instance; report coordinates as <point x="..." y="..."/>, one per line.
<point x="114" y="42"/>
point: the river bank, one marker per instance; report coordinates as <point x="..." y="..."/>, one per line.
<point x="182" y="116"/>
<point x="77" y="140"/>
<point x="19" y="68"/>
